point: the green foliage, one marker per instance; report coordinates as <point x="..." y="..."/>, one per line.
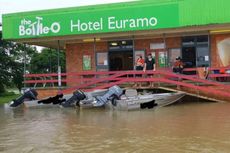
<point x="7" y="94"/>
<point x="2" y="88"/>
<point x="17" y="75"/>
<point x="47" y="61"/>
<point x="12" y="57"/>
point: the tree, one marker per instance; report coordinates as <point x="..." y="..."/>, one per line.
<point x="47" y="61"/>
<point x="11" y="63"/>
<point x="4" y="69"/>
<point x="17" y="75"/>
<point x="13" y="56"/>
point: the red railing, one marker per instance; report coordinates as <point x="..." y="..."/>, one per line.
<point x="89" y="81"/>
<point x="42" y="80"/>
<point x="212" y="73"/>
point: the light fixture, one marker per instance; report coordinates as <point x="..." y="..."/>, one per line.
<point x="91" y="40"/>
<point x="220" y="31"/>
<point x="123" y="42"/>
<point x="114" y="44"/>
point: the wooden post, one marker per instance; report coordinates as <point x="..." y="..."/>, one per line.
<point x="24" y="62"/>
<point x="59" y="67"/>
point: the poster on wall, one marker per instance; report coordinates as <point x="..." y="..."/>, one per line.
<point x="86" y="62"/>
<point x="102" y="59"/>
<point x="162" y="59"/>
<point x="223" y="47"/>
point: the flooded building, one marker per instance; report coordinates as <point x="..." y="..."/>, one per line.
<point x="110" y="37"/>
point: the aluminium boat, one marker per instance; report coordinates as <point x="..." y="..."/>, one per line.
<point x="113" y="98"/>
<point x="132" y="100"/>
<point x="128" y="99"/>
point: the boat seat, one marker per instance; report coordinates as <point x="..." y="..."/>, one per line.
<point x="131" y="93"/>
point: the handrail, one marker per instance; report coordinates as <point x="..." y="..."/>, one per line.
<point x="209" y="68"/>
<point x="89" y="81"/>
<point x="181" y="76"/>
<point x="110" y="73"/>
<point x="118" y="77"/>
<point x="104" y="72"/>
<point x="73" y="74"/>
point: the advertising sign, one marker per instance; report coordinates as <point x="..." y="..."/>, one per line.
<point x="86" y="62"/>
<point x="147" y="17"/>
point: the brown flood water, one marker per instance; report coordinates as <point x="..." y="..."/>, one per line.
<point x="183" y="128"/>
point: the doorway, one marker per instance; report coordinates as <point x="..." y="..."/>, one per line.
<point x="189" y="56"/>
<point x="121" y="60"/>
<point x="121" y="55"/>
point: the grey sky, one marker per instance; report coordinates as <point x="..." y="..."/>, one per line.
<point x="11" y="6"/>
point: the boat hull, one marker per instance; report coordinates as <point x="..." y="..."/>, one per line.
<point x="148" y="102"/>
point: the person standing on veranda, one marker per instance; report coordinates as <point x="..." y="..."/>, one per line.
<point x="150" y="65"/>
<point x="139" y="66"/>
<point x="178" y="66"/>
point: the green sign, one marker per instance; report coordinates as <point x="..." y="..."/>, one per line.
<point x="86" y="62"/>
<point x="145" y="17"/>
<point x="162" y="59"/>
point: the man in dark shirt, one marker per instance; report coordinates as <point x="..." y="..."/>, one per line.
<point x="150" y="65"/>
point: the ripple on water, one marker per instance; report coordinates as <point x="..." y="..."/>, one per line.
<point x="182" y="128"/>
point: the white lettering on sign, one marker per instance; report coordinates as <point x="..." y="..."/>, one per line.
<point x="131" y="23"/>
<point x="86" y="26"/>
<point x="29" y="28"/>
<point x="39" y="27"/>
<point x="113" y="24"/>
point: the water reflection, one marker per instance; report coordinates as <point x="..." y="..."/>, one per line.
<point x="194" y="127"/>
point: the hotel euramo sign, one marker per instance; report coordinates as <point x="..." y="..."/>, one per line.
<point x="63" y="23"/>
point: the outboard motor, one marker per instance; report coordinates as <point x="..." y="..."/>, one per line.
<point x="113" y="92"/>
<point x="76" y="98"/>
<point x="29" y="94"/>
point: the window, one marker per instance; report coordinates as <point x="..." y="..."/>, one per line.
<point x="188" y="40"/>
<point x="121" y="45"/>
<point x="202" y="40"/>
